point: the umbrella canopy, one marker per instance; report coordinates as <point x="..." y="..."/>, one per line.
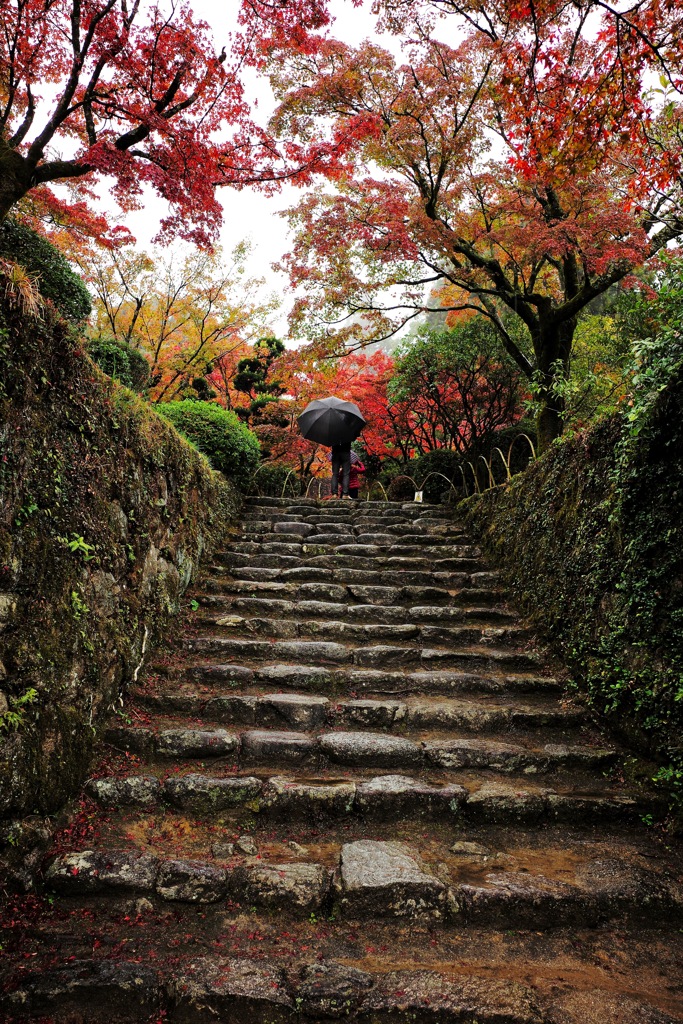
<point x="331" y="421"/>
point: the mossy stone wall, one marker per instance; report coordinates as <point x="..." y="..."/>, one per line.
<point x="590" y="539"/>
<point x="105" y="512"/>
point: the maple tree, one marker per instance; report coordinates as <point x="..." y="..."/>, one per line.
<point x="132" y="91"/>
<point x="524" y="170"/>
<point x="193" y="319"/>
<point x="450" y="389"/>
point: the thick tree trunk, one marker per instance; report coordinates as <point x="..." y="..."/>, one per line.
<point x="549" y="422"/>
<point x="15" y="178"/>
<point x="553" y="347"/>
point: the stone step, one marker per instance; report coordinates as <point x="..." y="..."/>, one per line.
<point x="392" y="532"/>
<point x="309" y="711"/>
<point x="376" y="596"/>
<point x="354" y="510"/>
<point x="357" y="749"/>
<point x="389" y="879"/>
<point x="280" y="608"/>
<point x="232" y="624"/>
<point x="369" y="682"/>
<point x="373" y="563"/>
<point x="380" y="656"/>
<point x="460" y="800"/>
<point x="349" y="546"/>
<point x="254" y="991"/>
<point x="268" y="980"/>
<point x="347" y="576"/>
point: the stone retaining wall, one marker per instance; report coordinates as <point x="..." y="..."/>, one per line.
<point x="105" y="512"/>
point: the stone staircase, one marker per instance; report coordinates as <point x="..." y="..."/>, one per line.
<point x="353" y="790"/>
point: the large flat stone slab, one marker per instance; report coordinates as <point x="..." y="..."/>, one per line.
<point x="197" y="743"/>
<point x="102" y="870"/>
<point x="357" y="749"/>
<point x="387" y="797"/>
<point x="515" y="900"/>
<point x="284" y="797"/>
<point x="498" y="801"/>
<point x="203" y="793"/>
<point x="238" y="990"/>
<point x="295" y="886"/>
<point x="189" y="881"/>
<point x="117" y="989"/>
<point x="329" y="990"/>
<point x="295" y="710"/>
<point x="133" y="791"/>
<point x="263" y="746"/>
<point x="424" y="996"/>
<point x="380" y="879"/>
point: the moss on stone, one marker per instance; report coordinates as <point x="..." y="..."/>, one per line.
<point x="590" y="539"/>
<point x="105" y="512"/>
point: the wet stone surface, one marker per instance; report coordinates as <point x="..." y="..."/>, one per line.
<point x="331" y="990"/>
<point x="98" y="871"/>
<point x="386" y="880"/>
<point x="191" y="882"/>
<point x="196" y="743"/>
<point x="241" y="990"/>
<point x="201" y="793"/>
<point x="296" y="886"/>
<point x="134" y="791"/>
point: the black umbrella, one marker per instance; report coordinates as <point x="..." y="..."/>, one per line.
<point x="331" y="421"/>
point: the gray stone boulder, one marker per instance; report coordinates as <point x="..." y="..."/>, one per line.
<point x="101" y="870"/>
<point x="189" y="881"/>
<point x="236" y="990"/>
<point x="134" y="791"/>
<point x="370" y="748"/>
<point x="389" y="796"/>
<point x="298" y="886"/>
<point x="331" y="990"/>
<point x="203" y="793"/>
<point x="380" y="879"/>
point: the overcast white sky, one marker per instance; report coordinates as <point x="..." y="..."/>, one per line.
<point x="250" y="214"/>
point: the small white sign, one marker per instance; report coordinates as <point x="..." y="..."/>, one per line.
<point x="418" y="495"/>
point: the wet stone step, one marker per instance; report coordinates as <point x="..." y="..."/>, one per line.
<point x="278" y="608"/>
<point x="203" y="989"/>
<point x="372" y="563"/>
<point x="358" y="749"/>
<point x="348" y="577"/>
<point x="387" y="546"/>
<point x="378" y="656"/>
<point x="295" y="887"/>
<point x="233" y="624"/>
<point x="381" y="798"/>
<point x="309" y="711"/>
<point x="391" y="614"/>
<point x="370" y="682"/>
<point x="355" y="593"/>
<point x="382" y="879"/>
<point x="386" y="880"/>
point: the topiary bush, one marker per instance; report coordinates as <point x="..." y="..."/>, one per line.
<point x="401" y="488"/>
<point x="229" y="446"/>
<point x="55" y="279"/>
<point x="120" y="361"/>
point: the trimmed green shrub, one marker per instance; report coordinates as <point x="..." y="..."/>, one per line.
<point x="229" y="446"/>
<point x="56" y="280"/>
<point x="401" y="488"/>
<point x="120" y="361"/>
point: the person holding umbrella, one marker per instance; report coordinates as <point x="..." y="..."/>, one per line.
<point x="355" y="467"/>
<point x="335" y="423"/>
